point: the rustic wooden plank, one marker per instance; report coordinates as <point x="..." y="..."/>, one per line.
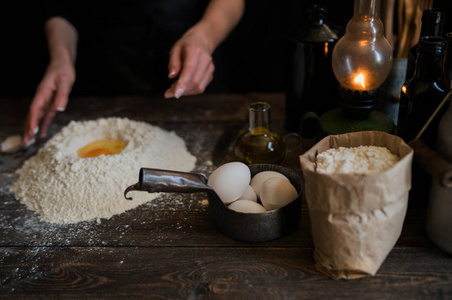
<point x="211" y="107"/>
<point x="205" y="108"/>
<point x="225" y="273"/>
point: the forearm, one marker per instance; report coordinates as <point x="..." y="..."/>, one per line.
<point x="61" y="39"/>
<point x="220" y="17"/>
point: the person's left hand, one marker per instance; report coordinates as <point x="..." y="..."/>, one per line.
<point x="191" y="60"/>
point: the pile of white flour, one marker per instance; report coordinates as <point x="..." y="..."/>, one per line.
<point x="361" y="159"/>
<point x="64" y="188"/>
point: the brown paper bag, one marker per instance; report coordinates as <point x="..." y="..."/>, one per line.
<point x="356" y="219"/>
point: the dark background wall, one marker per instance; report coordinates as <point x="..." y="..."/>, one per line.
<point x="257" y="46"/>
<point x="255" y="50"/>
<point x="23" y="53"/>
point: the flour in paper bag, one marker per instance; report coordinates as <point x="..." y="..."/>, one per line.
<point x="357" y="214"/>
<point x="361" y="159"/>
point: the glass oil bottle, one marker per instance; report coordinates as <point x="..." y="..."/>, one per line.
<point x="260" y="144"/>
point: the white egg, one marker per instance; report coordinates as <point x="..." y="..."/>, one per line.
<point x="247" y="206"/>
<point x="230" y="181"/>
<point x="259" y="178"/>
<point x="249" y="194"/>
<point x="277" y="192"/>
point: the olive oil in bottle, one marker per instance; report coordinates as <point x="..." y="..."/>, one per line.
<point x="260" y="144"/>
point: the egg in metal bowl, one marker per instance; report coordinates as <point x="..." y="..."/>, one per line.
<point x="259" y="227"/>
<point x="247" y="227"/>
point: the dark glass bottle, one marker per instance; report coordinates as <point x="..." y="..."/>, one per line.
<point x="420" y="97"/>
<point x="311" y="88"/>
<point x="432" y="25"/>
<point x="422" y="94"/>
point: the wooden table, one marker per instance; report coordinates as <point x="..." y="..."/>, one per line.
<point x="169" y="248"/>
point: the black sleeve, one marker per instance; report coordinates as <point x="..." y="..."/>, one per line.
<point x="57" y="8"/>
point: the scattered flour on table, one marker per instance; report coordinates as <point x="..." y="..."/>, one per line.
<point x="361" y="159"/>
<point x="65" y="188"/>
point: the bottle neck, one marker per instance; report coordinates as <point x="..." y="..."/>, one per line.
<point x="429" y="66"/>
<point x="259" y="116"/>
<point x="430" y="59"/>
<point x="432" y="29"/>
<point x="432" y="22"/>
<point x="317" y="14"/>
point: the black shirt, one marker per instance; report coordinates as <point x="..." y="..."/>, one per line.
<point x="124" y="45"/>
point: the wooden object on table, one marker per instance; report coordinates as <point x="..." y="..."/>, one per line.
<point x="432" y="162"/>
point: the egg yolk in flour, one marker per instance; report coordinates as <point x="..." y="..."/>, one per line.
<point x="99" y="147"/>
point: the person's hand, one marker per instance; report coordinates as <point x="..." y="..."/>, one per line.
<point x="191" y="61"/>
<point x="51" y="96"/>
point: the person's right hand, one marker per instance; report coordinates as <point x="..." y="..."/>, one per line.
<point x="52" y="95"/>
<point x="191" y="61"/>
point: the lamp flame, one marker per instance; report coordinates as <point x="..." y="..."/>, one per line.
<point x="360" y="80"/>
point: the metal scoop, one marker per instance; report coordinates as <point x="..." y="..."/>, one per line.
<point x="248" y="227"/>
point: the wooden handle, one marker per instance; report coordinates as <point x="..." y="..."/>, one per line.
<point x="432" y="162"/>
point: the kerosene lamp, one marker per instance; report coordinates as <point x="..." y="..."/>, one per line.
<point x="361" y="60"/>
